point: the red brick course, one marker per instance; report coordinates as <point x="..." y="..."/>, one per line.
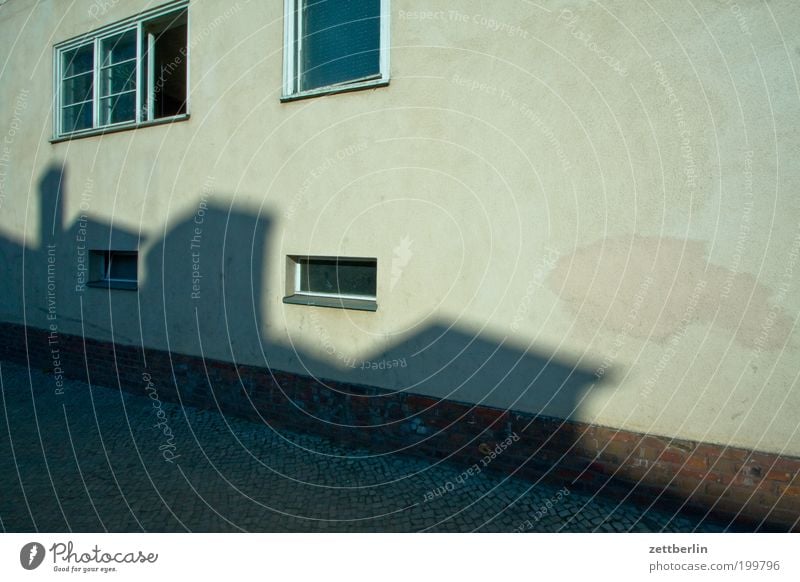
<point x="755" y="487"/>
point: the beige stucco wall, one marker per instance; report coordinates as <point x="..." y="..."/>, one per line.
<point x="614" y="186"/>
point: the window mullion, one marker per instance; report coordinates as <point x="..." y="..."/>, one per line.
<point x="299" y="44"/>
<point x="59" y="92"/>
<point x="291" y="35"/>
<point x="96" y="84"/>
<point x="151" y="76"/>
<point x="138" y="116"/>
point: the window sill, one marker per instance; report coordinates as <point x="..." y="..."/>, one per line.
<point x="113" y="285"/>
<point x="371" y="84"/>
<point x="118" y="128"/>
<point x="335" y="302"/>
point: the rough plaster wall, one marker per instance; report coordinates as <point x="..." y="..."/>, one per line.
<point x="613" y="185"/>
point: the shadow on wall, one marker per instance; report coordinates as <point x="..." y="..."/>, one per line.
<point x="201" y="293"/>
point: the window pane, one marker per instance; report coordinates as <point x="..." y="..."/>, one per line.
<point x="118" y="74"/>
<point x="79" y="60"/>
<point x="76" y="117"/>
<point x="122" y="266"/>
<point x="118" y="78"/>
<point x="78" y="89"/>
<point x="118" y="48"/>
<point x="346" y="277"/>
<point x="340" y="41"/>
<point x="118" y="108"/>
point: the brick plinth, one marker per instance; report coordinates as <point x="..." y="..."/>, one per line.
<point x="755" y="487"/>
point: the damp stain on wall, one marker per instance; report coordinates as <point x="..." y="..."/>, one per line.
<point x="651" y="287"/>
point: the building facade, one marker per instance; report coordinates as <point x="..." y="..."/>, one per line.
<point x="426" y="229"/>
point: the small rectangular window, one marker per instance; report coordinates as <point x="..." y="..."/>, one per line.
<point x="114" y="269"/>
<point x="345" y="282"/>
<point x="335" y="45"/>
<point x="130" y="73"/>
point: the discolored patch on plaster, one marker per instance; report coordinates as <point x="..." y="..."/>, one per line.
<point x="656" y="287"/>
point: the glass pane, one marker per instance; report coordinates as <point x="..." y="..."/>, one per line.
<point x="77" y="89"/>
<point x="122" y="266"/>
<point x="120" y="47"/>
<point x="76" y="117"/>
<point x="118" y="78"/>
<point x="340" y="42"/>
<point x="118" y="108"/>
<point x="79" y="60"/>
<point x="346" y="277"/>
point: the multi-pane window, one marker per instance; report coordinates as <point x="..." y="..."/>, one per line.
<point x="77" y="90"/>
<point x="117" y="77"/>
<point x="335" y="44"/>
<point x="131" y="73"/>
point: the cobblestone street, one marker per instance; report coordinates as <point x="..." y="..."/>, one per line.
<point x="95" y="459"/>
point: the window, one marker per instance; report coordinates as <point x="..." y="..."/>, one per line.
<point x="345" y="282"/>
<point x="114" y="269"/>
<point x="334" y="45"/>
<point x="131" y="73"/>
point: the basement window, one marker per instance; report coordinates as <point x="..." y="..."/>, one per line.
<point x="343" y="282"/>
<point x="125" y="75"/>
<point x="114" y="269"/>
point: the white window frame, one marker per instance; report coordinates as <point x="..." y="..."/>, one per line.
<point x="298" y="277"/>
<point x="95" y="38"/>
<point x="292" y="21"/>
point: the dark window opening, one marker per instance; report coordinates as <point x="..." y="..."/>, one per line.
<point x="167" y="54"/>
<point x="114" y="269"/>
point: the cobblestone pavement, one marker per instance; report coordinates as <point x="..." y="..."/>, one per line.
<point x="96" y="459"/>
